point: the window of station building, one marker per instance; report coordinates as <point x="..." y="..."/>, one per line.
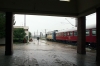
<point x="87" y="32"/>
<point x="75" y="33"/>
<point x="71" y="33"/>
<point x="94" y="32"/>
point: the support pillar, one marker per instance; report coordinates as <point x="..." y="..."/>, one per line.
<point x="9" y="34"/>
<point x="81" y="40"/>
<point x="98" y="34"/>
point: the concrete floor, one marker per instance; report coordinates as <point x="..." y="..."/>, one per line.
<point x="46" y="54"/>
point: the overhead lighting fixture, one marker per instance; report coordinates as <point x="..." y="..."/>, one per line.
<point x="65" y="0"/>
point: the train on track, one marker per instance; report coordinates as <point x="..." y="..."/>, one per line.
<point x="69" y="36"/>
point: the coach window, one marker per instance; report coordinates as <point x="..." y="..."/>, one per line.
<point x="94" y="32"/>
<point x="71" y="33"/>
<point x="75" y="33"/>
<point x="65" y="34"/>
<point x="87" y="32"/>
<point x="57" y="34"/>
<point x="61" y="34"/>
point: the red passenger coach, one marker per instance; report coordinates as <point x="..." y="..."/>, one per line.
<point x="70" y="35"/>
<point x="67" y="35"/>
<point x="91" y="34"/>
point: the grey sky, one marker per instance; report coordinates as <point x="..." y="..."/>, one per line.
<point x="40" y="22"/>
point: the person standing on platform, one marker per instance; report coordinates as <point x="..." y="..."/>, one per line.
<point x="38" y="39"/>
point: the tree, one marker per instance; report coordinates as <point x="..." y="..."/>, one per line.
<point x="2" y="25"/>
<point x="19" y="34"/>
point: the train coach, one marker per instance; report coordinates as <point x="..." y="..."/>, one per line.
<point x="70" y="36"/>
<point x="51" y="35"/>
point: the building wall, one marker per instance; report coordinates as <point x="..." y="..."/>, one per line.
<point x="27" y="34"/>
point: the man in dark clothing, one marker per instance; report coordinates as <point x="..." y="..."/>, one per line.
<point x="38" y="39"/>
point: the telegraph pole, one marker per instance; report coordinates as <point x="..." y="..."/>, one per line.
<point x="37" y="33"/>
<point x="40" y="34"/>
<point x="45" y="33"/>
<point x="34" y="34"/>
<point x="76" y="22"/>
<point x="24" y="20"/>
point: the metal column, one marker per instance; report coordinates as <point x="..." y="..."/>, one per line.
<point x="9" y="34"/>
<point x="98" y="35"/>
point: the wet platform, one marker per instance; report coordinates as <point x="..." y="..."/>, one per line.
<point x="44" y="53"/>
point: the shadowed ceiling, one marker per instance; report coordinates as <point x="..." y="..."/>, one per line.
<point x="50" y="7"/>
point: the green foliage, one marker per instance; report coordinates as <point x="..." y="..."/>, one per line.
<point x="2" y="25"/>
<point x="18" y="34"/>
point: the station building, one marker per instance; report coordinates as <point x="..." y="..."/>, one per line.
<point x="26" y="28"/>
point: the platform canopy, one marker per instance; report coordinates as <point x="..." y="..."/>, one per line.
<point x="50" y="7"/>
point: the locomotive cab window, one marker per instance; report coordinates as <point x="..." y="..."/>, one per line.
<point x="75" y="33"/>
<point x="71" y="33"/>
<point x="94" y="32"/>
<point x="87" y="32"/>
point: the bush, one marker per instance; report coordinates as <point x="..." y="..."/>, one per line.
<point x="2" y="25"/>
<point x="19" y="35"/>
<point x="19" y="40"/>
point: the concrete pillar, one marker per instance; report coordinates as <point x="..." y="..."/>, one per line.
<point x="9" y="34"/>
<point x="81" y="29"/>
<point x="98" y="34"/>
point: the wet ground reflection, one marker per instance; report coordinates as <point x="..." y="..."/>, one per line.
<point x="46" y="54"/>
